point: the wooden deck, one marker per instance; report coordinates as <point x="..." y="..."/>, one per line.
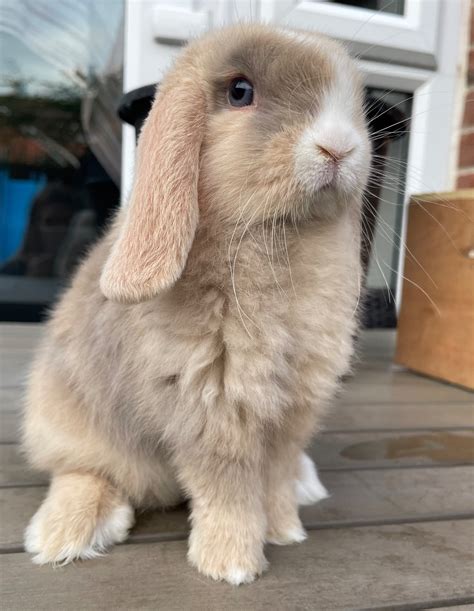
<point x="397" y="456"/>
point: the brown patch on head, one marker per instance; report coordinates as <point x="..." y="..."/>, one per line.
<point x="289" y="75"/>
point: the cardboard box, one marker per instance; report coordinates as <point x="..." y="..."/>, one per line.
<point x="436" y="322"/>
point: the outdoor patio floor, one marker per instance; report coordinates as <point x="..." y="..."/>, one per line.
<point x="397" y="455"/>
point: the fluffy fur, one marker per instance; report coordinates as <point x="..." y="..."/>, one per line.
<point x="201" y="339"/>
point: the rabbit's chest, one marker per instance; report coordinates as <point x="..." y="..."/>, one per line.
<point x="288" y="351"/>
<point x="276" y="338"/>
<point x="289" y="345"/>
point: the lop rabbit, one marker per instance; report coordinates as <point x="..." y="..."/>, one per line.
<point x="201" y="339"/>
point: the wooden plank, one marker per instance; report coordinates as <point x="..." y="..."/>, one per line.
<point x="357" y="497"/>
<point x="14" y="367"/>
<point x="399" y="387"/>
<point x="20" y="335"/>
<point x="330" y="451"/>
<point x="9" y="426"/>
<point x="377" y="416"/>
<point x="395" y="449"/>
<point x="333" y="569"/>
<point x="395" y="494"/>
<point x="10" y="398"/>
<point x="15" y="471"/>
<point x="10" y="413"/>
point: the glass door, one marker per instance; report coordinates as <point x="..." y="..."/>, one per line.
<point x="60" y="137"/>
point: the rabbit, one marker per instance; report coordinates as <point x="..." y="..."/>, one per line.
<point x="200" y="341"/>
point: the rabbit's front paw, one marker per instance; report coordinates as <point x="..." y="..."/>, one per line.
<point x="80" y="518"/>
<point x="220" y="558"/>
<point x="61" y="539"/>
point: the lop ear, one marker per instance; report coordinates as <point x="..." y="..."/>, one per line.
<point x="157" y="228"/>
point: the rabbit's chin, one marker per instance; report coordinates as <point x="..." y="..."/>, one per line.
<point x="330" y="203"/>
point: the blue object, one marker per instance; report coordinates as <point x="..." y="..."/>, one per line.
<point x="16" y="198"/>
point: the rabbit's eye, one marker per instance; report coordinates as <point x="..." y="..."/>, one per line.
<point x="240" y="92"/>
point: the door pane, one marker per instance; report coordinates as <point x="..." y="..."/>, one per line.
<point x="389" y="114"/>
<point x="60" y="142"/>
<point x="384" y="6"/>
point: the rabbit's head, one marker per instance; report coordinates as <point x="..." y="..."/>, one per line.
<point x="253" y="123"/>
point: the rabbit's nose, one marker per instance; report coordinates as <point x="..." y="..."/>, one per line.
<point x="333" y="153"/>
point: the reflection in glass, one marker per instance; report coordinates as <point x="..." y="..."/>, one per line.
<point x="60" y="141"/>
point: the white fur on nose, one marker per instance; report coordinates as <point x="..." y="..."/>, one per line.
<point x="335" y="138"/>
<point x="330" y="138"/>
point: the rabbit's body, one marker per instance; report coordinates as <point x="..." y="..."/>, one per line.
<point x="154" y="376"/>
<point x="212" y="387"/>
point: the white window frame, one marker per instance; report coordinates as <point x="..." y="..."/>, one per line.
<point x="409" y="39"/>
